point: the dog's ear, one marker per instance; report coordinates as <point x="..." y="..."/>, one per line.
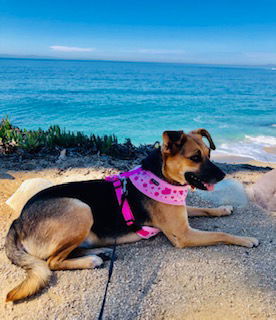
<point x="173" y="141"/>
<point x="206" y="134"/>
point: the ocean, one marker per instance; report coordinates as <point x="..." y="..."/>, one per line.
<point x="140" y="100"/>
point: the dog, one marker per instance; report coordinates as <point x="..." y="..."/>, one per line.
<point x="60" y="220"/>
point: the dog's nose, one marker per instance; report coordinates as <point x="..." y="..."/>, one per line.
<point x="221" y="175"/>
<point x="218" y="174"/>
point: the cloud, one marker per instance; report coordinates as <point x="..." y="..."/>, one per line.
<point x="161" y="51"/>
<point x="263" y="57"/>
<point x="71" y="49"/>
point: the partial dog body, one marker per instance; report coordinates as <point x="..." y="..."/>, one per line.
<point x="86" y="214"/>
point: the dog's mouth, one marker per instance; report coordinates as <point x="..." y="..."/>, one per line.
<point x="195" y="182"/>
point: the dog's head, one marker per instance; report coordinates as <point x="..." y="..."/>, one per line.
<point x="186" y="159"/>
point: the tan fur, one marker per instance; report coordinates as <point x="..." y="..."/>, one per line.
<point x="74" y="213"/>
<point x="128" y="238"/>
<point x="54" y="240"/>
<point x="93" y="241"/>
<point x="38" y="276"/>
<point x="207" y="212"/>
<point x="88" y="262"/>
<point x="173" y="221"/>
<point x="175" y="165"/>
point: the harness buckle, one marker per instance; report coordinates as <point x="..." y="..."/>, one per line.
<point x="124" y="185"/>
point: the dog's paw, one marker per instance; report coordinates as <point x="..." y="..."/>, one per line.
<point x="95" y="262"/>
<point x="249" y="242"/>
<point x="225" y="210"/>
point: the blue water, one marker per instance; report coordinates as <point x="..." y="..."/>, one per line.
<point x="140" y="100"/>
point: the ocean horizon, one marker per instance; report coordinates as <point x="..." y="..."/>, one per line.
<point x="139" y="100"/>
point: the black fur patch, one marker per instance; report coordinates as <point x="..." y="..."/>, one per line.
<point x="100" y="196"/>
<point x="153" y="163"/>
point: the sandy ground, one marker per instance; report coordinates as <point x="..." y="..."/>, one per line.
<point x="151" y="279"/>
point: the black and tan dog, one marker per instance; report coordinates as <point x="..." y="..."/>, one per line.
<point x="59" y="219"/>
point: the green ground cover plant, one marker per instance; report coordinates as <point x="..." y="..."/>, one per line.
<point x="13" y="138"/>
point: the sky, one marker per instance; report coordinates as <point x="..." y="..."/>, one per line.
<point x="216" y="32"/>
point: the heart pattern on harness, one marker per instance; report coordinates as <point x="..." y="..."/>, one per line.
<point x="166" y="191"/>
<point x="158" y="189"/>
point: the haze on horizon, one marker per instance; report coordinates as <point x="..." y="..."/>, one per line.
<point x="215" y="32"/>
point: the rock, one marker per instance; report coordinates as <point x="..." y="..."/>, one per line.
<point x="263" y="192"/>
<point x="62" y="155"/>
<point x="228" y="191"/>
<point x="27" y="189"/>
<point x="5" y="175"/>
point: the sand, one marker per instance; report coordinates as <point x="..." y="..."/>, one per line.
<point x="270" y="149"/>
<point x="151" y="279"/>
<point x="220" y="157"/>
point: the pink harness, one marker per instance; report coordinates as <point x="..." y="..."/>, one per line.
<point x="153" y="187"/>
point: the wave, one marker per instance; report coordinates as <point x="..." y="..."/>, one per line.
<point x="266" y="141"/>
<point x="253" y="147"/>
<point x="198" y="119"/>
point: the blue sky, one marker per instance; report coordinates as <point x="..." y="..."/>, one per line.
<point x="223" y="32"/>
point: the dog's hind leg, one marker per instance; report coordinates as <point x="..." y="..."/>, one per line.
<point x="59" y="262"/>
<point x="48" y="230"/>
<point x="63" y="225"/>
<point x="210" y="212"/>
<point x="60" y="259"/>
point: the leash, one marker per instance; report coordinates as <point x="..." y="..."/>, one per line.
<point x="111" y="266"/>
<point x="110" y="271"/>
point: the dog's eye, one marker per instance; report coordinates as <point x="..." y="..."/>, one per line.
<point x="196" y="158"/>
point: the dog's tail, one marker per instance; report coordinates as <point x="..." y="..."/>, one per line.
<point x="38" y="272"/>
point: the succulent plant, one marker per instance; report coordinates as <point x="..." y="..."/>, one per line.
<point x="32" y="141"/>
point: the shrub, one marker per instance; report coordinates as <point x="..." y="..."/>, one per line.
<point x="12" y="138"/>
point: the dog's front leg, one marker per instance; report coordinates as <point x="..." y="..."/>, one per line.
<point x="173" y="221"/>
<point x="193" y="237"/>
<point x="93" y="241"/>
<point x="209" y="212"/>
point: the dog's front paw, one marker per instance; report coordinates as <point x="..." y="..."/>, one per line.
<point x="249" y="242"/>
<point x="225" y="210"/>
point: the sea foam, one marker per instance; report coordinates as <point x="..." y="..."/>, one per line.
<point x="252" y="147"/>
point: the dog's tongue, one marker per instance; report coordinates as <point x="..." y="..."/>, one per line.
<point x="209" y="187"/>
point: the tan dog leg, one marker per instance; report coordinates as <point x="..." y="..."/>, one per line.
<point x="87" y="262"/>
<point x="128" y="238"/>
<point x="173" y="221"/>
<point x="193" y="237"/>
<point x="207" y="212"/>
<point x="92" y="241"/>
<point x="60" y="261"/>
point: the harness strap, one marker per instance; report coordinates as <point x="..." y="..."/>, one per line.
<point x="145" y="232"/>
